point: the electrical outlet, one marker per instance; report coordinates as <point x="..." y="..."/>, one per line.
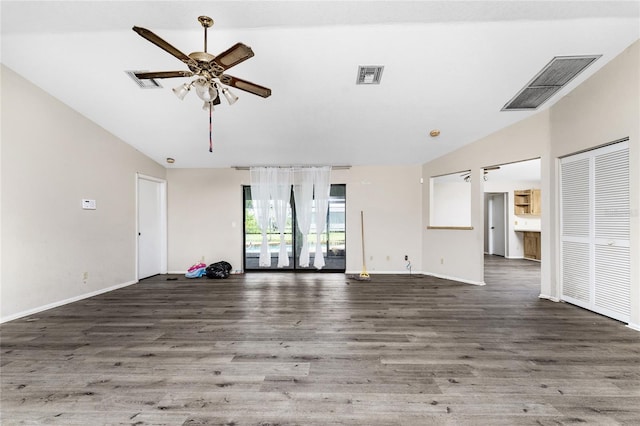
<point x="202" y="259"/>
<point x="406" y="257"/>
<point x="85" y="277"/>
<point x="388" y="257"/>
<point x="442" y="260"/>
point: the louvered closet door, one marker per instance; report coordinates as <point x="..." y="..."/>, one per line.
<point x="595" y="256"/>
<point x="612" y="232"/>
<point x="576" y="239"/>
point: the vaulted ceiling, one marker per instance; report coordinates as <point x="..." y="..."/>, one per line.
<point x="447" y="65"/>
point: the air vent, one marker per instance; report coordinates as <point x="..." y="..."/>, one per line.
<point x="553" y="77"/>
<point x="370" y="74"/>
<point x="147" y="83"/>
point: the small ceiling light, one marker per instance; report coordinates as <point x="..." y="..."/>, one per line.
<point x="170" y="160"/>
<point x="205" y="90"/>
<point x="231" y="98"/>
<point x="434" y="133"/>
<point x="182" y="90"/>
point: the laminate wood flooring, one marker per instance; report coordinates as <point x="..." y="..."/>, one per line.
<point x="321" y="349"/>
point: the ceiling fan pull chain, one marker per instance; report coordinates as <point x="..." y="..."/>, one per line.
<point x="210" y="127"/>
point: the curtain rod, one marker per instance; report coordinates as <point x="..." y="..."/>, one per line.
<point x="292" y="167"/>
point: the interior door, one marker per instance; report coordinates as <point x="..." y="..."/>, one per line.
<point x="151" y="235"/>
<point x="497" y="224"/>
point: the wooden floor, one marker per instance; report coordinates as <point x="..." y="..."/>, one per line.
<point x="320" y="349"/>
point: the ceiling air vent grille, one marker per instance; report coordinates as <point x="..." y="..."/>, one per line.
<point x="370" y="74"/>
<point x="147" y="83"/>
<point x="553" y="77"/>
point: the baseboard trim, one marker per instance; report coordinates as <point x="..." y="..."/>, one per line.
<point x="462" y="280"/>
<point x="635" y="327"/>
<point x="64" y="302"/>
<point x="547" y="297"/>
<point x="359" y="271"/>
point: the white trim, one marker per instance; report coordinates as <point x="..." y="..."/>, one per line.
<point x="163" y="221"/>
<point x="65" y="302"/>
<point x="233" y="272"/>
<point x="405" y="272"/>
<point x="635" y="327"/>
<point x="462" y="280"/>
<point x="547" y="297"/>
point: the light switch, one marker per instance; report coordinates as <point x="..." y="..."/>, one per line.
<point x="88" y="204"/>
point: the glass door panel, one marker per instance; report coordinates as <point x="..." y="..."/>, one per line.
<point x="332" y="241"/>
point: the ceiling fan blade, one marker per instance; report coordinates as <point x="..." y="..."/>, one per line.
<point x="153" y="38"/>
<point x="163" y="74"/>
<point x="245" y="85"/>
<point x="233" y="56"/>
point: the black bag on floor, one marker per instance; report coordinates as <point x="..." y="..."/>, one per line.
<point x="218" y="270"/>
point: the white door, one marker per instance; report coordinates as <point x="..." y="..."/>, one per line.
<point x="595" y="230"/>
<point x="497" y="225"/>
<point x="151" y="227"/>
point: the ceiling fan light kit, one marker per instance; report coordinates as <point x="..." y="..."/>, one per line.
<point x="208" y="70"/>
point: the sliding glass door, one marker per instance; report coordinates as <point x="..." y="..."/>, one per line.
<point x="332" y="239"/>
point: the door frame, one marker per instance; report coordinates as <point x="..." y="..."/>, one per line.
<point x="163" y="222"/>
<point x="294" y="267"/>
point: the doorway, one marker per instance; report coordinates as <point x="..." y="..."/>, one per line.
<point x="510" y="225"/>
<point x="333" y="239"/>
<point x="151" y="226"/>
<point x="496" y="223"/>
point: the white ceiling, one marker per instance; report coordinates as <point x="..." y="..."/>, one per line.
<point x="448" y="65"/>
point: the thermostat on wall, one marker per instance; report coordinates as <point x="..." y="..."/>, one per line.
<point x="88" y="204"/>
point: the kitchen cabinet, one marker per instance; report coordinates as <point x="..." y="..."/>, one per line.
<point x="532" y="245"/>
<point x="526" y="202"/>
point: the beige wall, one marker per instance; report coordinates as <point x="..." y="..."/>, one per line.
<point x="603" y="109"/>
<point x="52" y="158"/>
<point x="458" y="254"/>
<point x="205" y="216"/>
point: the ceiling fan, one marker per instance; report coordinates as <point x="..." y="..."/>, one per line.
<point x="208" y="70"/>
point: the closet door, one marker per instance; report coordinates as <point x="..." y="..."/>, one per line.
<point x="595" y="256"/>
<point x="612" y="268"/>
<point x="575" y="193"/>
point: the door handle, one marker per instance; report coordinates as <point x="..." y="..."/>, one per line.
<point x="493" y="227"/>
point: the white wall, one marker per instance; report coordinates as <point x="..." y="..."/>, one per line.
<point x="52" y="158"/>
<point x="450" y="203"/>
<point x="603" y="109"/>
<point x="205" y="216"/>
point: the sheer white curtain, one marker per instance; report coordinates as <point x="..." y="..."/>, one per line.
<point x="303" y="198"/>
<point x="281" y="195"/>
<point x="260" y="200"/>
<point x="321" y="188"/>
